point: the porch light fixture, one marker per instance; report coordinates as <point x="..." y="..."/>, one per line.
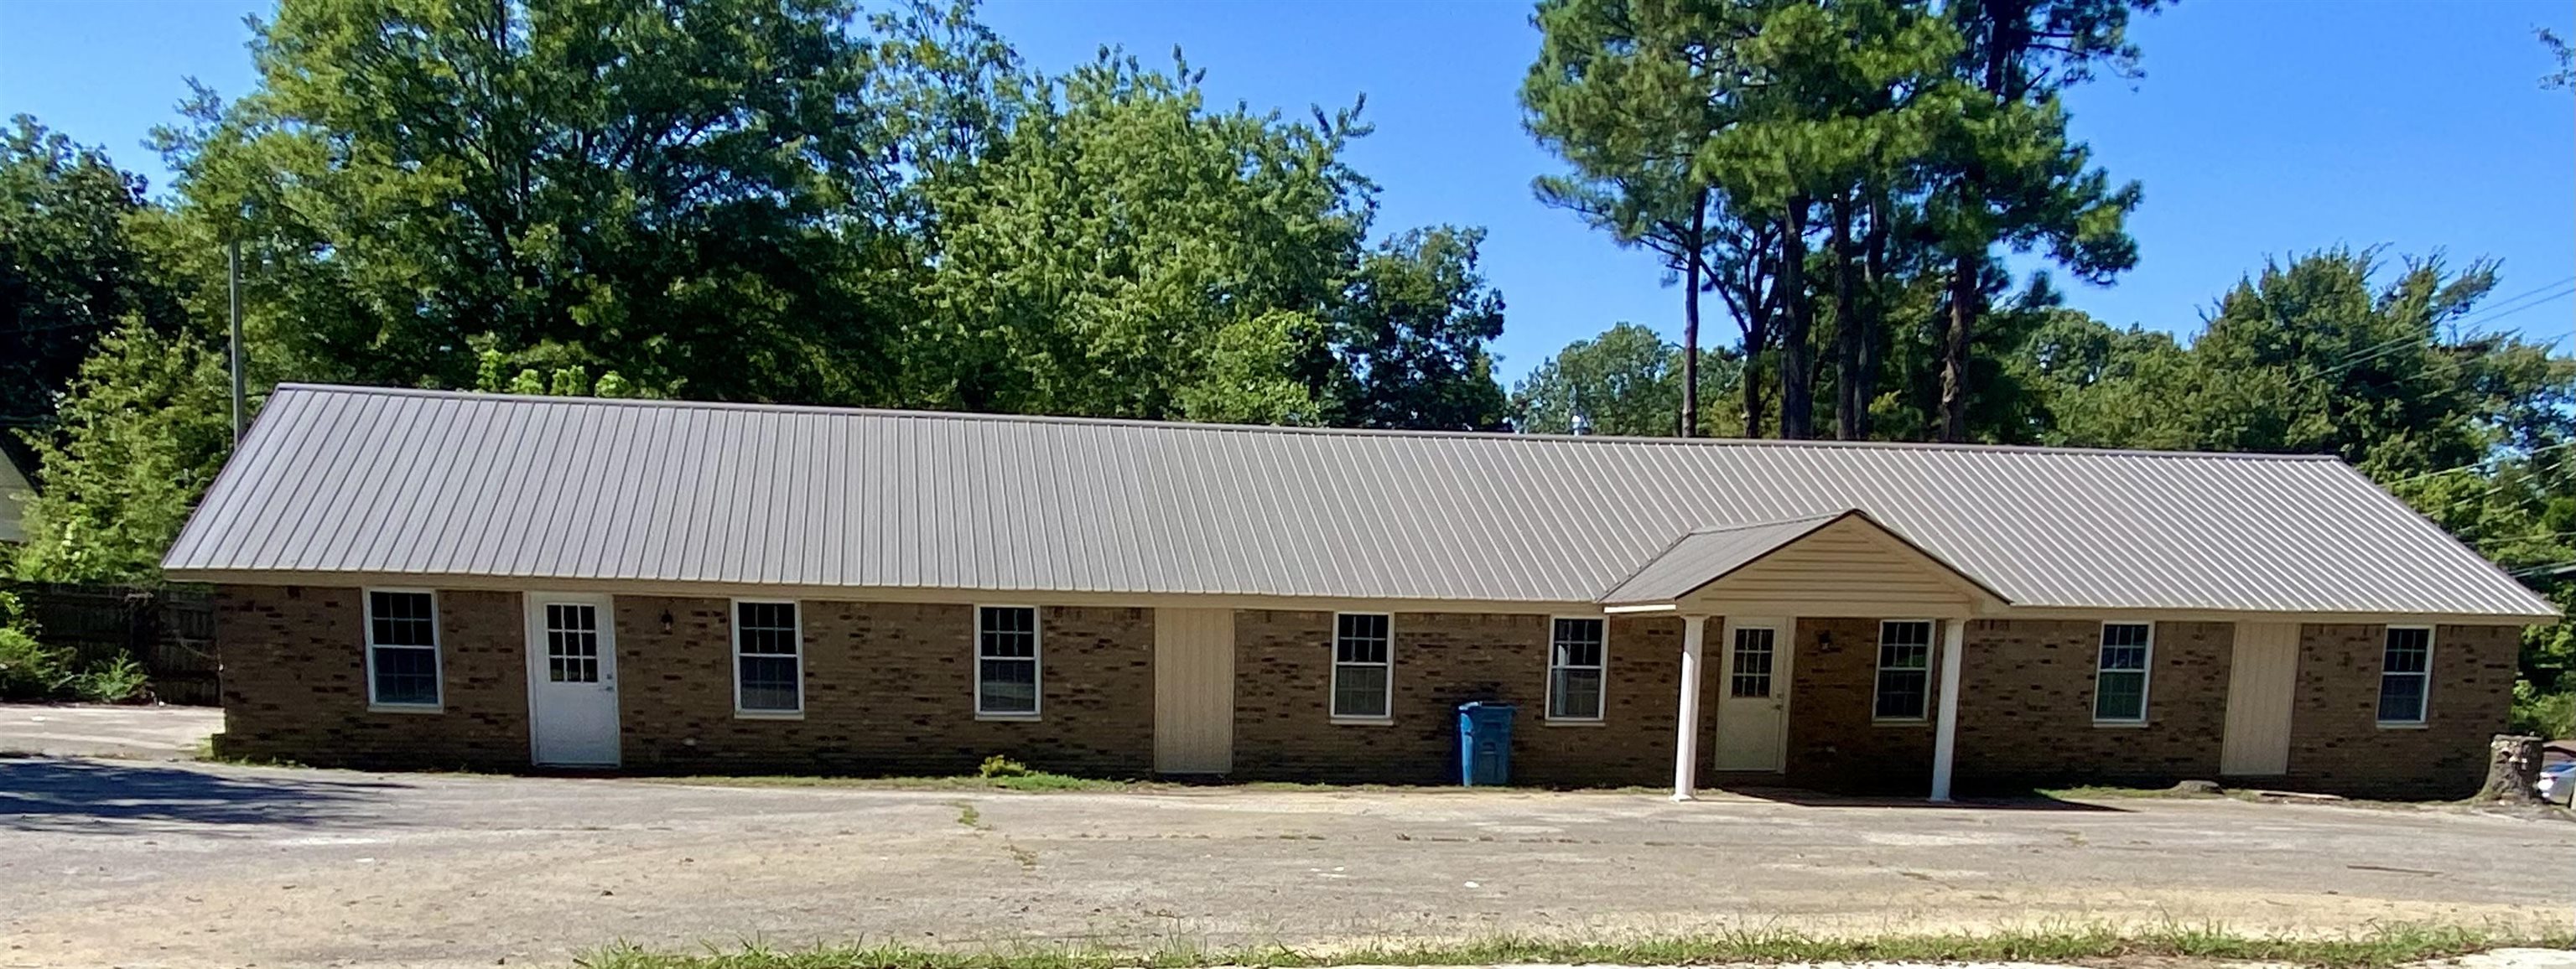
<point x="666" y="620"/>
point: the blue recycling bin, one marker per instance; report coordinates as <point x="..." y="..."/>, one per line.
<point x="1484" y="744"/>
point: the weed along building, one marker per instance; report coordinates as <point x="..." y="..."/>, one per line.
<point x="431" y="580"/>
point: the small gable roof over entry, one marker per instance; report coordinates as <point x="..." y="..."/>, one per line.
<point x="1708" y="556"/>
<point x="367" y="482"/>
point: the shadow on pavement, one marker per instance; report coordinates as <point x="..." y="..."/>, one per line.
<point x="57" y="794"/>
<point x="2030" y="801"/>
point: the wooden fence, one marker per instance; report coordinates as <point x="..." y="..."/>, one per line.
<point x="169" y="630"/>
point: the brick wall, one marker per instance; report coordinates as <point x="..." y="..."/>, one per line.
<point x="2026" y="710"/>
<point x="1284" y="729"/>
<point x="889" y="689"/>
<point x="2336" y="743"/>
<point x="295" y="682"/>
<point x="1834" y="743"/>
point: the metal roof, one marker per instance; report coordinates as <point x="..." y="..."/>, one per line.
<point x="368" y="480"/>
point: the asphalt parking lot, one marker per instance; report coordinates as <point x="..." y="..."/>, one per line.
<point x="137" y="863"/>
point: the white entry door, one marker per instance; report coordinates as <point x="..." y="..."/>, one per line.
<point x="572" y="680"/>
<point x="1753" y="696"/>
<point x="1193" y="691"/>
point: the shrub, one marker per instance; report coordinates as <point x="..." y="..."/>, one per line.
<point x="28" y="669"/>
<point x="1000" y="766"/>
<point x="120" y="680"/>
<point x="2549" y="716"/>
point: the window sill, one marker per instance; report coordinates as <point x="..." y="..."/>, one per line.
<point x="1900" y="721"/>
<point x="405" y="708"/>
<point x="1007" y="717"/>
<point x="769" y="714"/>
<point x="2119" y="724"/>
<point x="2402" y="725"/>
<point x="1573" y="722"/>
<point x="1363" y="721"/>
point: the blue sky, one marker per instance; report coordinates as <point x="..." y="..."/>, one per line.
<point x="2262" y="128"/>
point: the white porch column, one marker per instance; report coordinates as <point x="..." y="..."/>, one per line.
<point x="1686" y="738"/>
<point x="1945" y="735"/>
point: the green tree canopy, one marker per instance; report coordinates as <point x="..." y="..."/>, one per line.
<point x="1626" y="381"/>
<point x="70" y="269"/>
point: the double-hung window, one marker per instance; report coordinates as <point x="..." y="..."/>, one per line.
<point x="402" y="649"/>
<point x="768" y="663"/>
<point x="1006" y="661"/>
<point x="2405" y="674"/>
<point x="1363" y="671"/>
<point x="1904" y="669"/>
<point x="1575" y="658"/>
<point x="2120" y="677"/>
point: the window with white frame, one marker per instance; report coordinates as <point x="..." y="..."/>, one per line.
<point x="2405" y="674"/>
<point x="768" y="663"/>
<point x="1576" y="654"/>
<point x="1363" y="671"/>
<point x="1904" y="669"/>
<point x="402" y="649"/>
<point x="2120" y="677"/>
<point x="1006" y="661"/>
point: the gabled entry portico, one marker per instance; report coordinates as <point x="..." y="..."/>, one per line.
<point x="1769" y="576"/>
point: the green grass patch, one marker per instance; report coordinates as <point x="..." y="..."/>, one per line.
<point x="2386" y="946"/>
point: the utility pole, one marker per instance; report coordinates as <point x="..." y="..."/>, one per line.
<point x="232" y="287"/>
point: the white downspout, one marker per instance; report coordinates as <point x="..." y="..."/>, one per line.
<point x="1945" y="735"/>
<point x="1686" y="740"/>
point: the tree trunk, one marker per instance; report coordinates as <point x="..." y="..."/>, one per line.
<point x="1797" y="367"/>
<point x="1698" y="243"/>
<point x="2513" y="770"/>
<point x="1849" y="405"/>
<point x="1873" y="306"/>
<point x="1954" y="350"/>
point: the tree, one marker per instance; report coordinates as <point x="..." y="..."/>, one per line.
<point x="142" y="430"/>
<point x="2008" y="173"/>
<point x="1624" y="92"/>
<point x="1624" y="382"/>
<point x="1412" y="335"/>
<point x="700" y="201"/>
<point x="69" y="269"/>
<point x="1125" y="252"/>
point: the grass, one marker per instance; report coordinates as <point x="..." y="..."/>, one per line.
<point x="2386" y="946"/>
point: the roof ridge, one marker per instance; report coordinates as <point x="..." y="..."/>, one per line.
<point x="1584" y="439"/>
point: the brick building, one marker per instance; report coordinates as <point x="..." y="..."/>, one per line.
<point x="419" y="579"/>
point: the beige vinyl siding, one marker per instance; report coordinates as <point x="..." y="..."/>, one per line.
<point x="1193" y="691"/>
<point x="2261" y="685"/>
<point x="1847" y="568"/>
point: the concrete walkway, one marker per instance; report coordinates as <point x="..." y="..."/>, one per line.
<point x="147" y="733"/>
<point x="184" y="865"/>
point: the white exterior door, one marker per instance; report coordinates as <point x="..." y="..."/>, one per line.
<point x="2262" y="685"/>
<point x="1753" y="696"/>
<point x="572" y="680"/>
<point x="1193" y="691"/>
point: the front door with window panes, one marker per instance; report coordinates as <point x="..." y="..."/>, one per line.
<point x="572" y="680"/>
<point x="1753" y="695"/>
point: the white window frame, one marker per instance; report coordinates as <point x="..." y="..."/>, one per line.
<point x="1878" y="668"/>
<point x="2423" y="697"/>
<point x="437" y="650"/>
<point x="2146" y="674"/>
<point x="1333" y="689"/>
<point x="1548" y="689"/>
<point x="733" y="625"/>
<point x="1036" y="661"/>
